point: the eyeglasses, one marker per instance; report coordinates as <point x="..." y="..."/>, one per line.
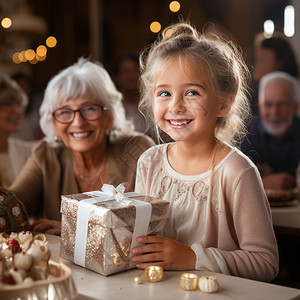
<point x="90" y="112"/>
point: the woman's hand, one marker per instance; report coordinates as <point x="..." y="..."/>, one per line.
<point x="165" y="252"/>
<point x="127" y="186"/>
<point x="47" y="226"/>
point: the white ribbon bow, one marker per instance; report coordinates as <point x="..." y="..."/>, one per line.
<point x="117" y="193"/>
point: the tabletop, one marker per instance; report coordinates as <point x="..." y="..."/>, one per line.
<point x="287" y="216"/>
<point x="91" y="285"/>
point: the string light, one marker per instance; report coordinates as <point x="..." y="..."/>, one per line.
<point x="6" y="22"/>
<point x="289" y="21"/>
<point x="174" y="6"/>
<point x="51" y="41"/>
<point x="32" y="56"/>
<point x="41" y="50"/>
<point x="155" y="27"/>
<point x="268" y="28"/>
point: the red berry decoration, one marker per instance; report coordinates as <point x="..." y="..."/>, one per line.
<point x="8" y="279"/>
<point x="14" y="245"/>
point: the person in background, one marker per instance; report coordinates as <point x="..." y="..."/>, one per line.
<point x="88" y="142"/>
<point x="272" y="54"/>
<point x="195" y="88"/>
<point x="273" y="141"/>
<point x="14" y="152"/>
<point x="126" y="77"/>
<point x="29" y="127"/>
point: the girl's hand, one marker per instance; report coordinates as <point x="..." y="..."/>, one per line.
<point x="47" y="226"/>
<point x="165" y="252"/>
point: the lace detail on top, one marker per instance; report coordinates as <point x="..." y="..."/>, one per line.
<point x="183" y="187"/>
<point x="198" y="189"/>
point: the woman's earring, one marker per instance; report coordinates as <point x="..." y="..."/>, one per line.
<point x="108" y="132"/>
<point x="57" y="139"/>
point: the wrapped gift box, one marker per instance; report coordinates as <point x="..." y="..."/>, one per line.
<point x="99" y="230"/>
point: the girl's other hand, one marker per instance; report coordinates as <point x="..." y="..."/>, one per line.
<point x="47" y="226"/>
<point x="165" y="252"/>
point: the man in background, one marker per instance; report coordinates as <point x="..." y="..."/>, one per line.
<point x="273" y="142"/>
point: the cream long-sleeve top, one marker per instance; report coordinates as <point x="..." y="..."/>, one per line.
<point x="224" y="215"/>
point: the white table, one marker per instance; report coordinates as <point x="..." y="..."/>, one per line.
<point x="91" y="285"/>
<point x="288" y="216"/>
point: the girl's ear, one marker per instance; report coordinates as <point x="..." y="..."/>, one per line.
<point x="225" y="106"/>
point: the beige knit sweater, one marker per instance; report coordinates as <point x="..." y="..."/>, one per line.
<point x="49" y="174"/>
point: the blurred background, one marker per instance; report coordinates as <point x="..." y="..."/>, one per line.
<point x="41" y="37"/>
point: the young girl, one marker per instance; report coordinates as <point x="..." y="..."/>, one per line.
<point x="219" y="216"/>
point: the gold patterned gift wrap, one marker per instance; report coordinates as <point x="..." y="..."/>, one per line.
<point x="99" y="228"/>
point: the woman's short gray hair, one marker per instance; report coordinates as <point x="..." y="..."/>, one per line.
<point x="84" y="79"/>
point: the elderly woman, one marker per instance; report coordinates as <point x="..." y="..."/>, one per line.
<point x="88" y="142"/>
<point x="13" y="151"/>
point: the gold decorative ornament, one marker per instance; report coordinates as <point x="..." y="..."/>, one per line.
<point x="152" y="274"/>
<point x="137" y="280"/>
<point x="188" y="281"/>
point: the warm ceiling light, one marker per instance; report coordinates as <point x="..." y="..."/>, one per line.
<point x="155" y="27"/>
<point x="41" y="58"/>
<point x="6" y="22"/>
<point x="33" y="61"/>
<point x="174" y="6"/>
<point x="29" y="54"/>
<point x="268" y="28"/>
<point x="16" y="58"/>
<point x="169" y="32"/>
<point x="289" y="21"/>
<point x="22" y="56"/>
<point x="51" y="41"/>
<point x="41" y="50"/>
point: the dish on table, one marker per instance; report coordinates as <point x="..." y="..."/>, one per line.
<point x="280" y="197"/>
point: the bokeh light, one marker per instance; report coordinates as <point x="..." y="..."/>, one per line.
<point x="155" y="27"/>
<point x="22" y="56"/>
<point x="41" y="50"/>
<point x="6" y="22"/>
<point x="16" y="58"/>
<point x="41" y="58"/>
<point x="268" y="28"/>
<point x="169" y="32"/>
<point x="174" y="6"/>
<point x="29" y="54"/>
<point x="51" y="41"/>
<point x="289" y="21"/>
<point x="33" y="61"/>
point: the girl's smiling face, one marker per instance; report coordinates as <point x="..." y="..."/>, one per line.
<point x="82" y="135"/>
<point x="184" y="104"/>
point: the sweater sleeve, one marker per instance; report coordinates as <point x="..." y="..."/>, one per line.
<point x="256" y="256"/>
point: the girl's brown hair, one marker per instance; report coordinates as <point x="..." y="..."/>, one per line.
<point x="220" y="58"/>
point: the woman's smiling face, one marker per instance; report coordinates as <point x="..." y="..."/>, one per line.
<point x="82" y="135"/>
<point x="184" y="105"/>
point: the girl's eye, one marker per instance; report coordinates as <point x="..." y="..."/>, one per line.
<point x="164" y="94"/>
<point x="192" y="93"/>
